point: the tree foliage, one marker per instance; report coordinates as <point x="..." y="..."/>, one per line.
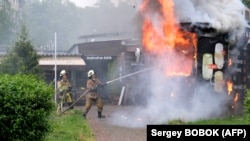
<point x="23" y="58"/>
<point x="247" y="103"/>
<point x="7" y="23"/>
<point x="25" y="108"/>
<point x="46" y="17"/>
<point x="246" y="2"/>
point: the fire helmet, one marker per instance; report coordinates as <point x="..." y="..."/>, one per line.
<point x="90" y="73"/>
<point x="63" y="72"/>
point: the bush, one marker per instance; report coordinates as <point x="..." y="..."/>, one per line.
<point x="25" y="108"/>
<point x="247" y="102"/>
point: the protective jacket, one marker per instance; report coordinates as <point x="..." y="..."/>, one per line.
<point x="92" y="87"/>
<point x="64" y="88"/>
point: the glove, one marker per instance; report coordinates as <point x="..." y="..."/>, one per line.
<point x="93" y="88"/>
<point x="69" y="89"/>
<point x="62" y="92"/>
<point x="65" y="91"/>
<point x="102" y="84"/>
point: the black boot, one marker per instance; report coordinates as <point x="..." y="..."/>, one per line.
<point x="84" y="115"/>
<point x="100" y="115"/>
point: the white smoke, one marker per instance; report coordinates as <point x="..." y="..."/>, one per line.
<point x="223" y="15"/>
<point x="117" y="2"/>
<point x="171" y="99"/>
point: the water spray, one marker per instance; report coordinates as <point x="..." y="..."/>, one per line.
<point x="86" y="91"/>
<point x="131" y="74"/>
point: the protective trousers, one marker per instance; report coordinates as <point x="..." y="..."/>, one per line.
<point x="68" y="98"/>
<point x="88" y="106"/>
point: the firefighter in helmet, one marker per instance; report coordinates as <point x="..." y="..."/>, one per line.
<point x="64" y="88"/>
<point x="92" y="84"/>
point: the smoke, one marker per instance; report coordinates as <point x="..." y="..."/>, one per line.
<point x="223" y="15"/>
<point x="117" y="2"/>
<point x="172" y="98"/>
<point x="183" y="98"/>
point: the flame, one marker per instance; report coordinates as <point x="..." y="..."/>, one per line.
<point x="230" y="62"/>
<point x="229" y="87"/>
<point x="212" y="66"/>
<point x="163" y="38"/>
<point x="236" y="97"/>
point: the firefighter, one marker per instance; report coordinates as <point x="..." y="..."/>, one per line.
<point x="92" y="84"/>
<point x="64" y="88"/>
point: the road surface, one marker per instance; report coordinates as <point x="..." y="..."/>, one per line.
<point x="117" y="126"/>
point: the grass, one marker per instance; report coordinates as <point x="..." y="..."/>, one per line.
<point x="69" y="127"/>
<point x="232" y="120"/>
<point x="72" y="127"/>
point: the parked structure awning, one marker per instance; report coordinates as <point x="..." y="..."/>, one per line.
<point x="62" y="61"/>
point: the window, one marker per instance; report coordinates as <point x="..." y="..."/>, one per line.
<point x="247" y="14"/>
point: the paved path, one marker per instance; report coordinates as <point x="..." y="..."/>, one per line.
<point x="116" y="126"/>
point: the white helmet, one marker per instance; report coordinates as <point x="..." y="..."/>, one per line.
<point x="90" y="73"/>
<point x="63" y="72"/>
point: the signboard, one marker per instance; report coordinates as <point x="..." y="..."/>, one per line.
<point x="99" y="58"/>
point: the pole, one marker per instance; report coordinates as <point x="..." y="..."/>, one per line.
<point x="128" y="75"/>
<point x="55" y="70"/>
<point x="121" y="95"/>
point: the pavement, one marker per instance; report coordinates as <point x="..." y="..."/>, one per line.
<point x="116" y="126"/>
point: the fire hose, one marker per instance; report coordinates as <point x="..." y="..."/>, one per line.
<point x="128" y="75"/>
<point x="78" y="99"/>
<point x="60" y="105"/>
<point x="108" y="82"/>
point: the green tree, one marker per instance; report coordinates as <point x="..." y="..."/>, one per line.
<point x="25" y="108"/>
<point x="46" y="17"/>
<point x="7" y="23"/>
<point x="246" y="2"/>
<point x="23" y="58"/>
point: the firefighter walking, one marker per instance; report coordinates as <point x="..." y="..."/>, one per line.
<point x="92" y="84"/>
<point x="64" y="89"/>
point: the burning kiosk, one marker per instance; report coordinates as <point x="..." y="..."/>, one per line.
<point x="220" y="62"/>
<point x="195" y="51"/>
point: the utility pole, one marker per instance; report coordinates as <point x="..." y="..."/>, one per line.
<point x="55" y="68"/>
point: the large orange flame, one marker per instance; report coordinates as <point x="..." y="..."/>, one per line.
<point x="163" y="38"/>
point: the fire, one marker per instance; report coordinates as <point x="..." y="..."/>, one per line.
<point x="236" y="97"/>
<point x="212" y="66"/>
<point x="230" y="62"/>
<point x="163" y="38"/>
<point x="229" y="87"/>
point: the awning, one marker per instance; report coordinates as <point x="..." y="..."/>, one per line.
<point x="62" y="61"/>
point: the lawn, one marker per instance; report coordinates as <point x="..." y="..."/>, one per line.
<point x="69" y="127"/>
<point x="231" y="120"/>
<point x="72" y="126"/>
